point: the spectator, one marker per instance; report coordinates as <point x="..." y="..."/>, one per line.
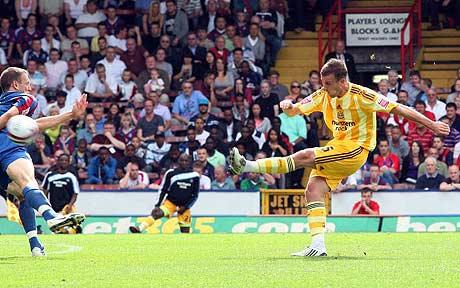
<point x="113" y="23"/>
<point x="274" y="147"/>
<point x="126" y="87"/>
<point x="127" y="129"/>
<point x="205" y="181"/>
<point x="198" y="53"/>
<point x="431" y="179"/>
<point x="218" y="136"/>
<point x="453" y="182"/>
<point x="72" y="93"/>
<point x="450" y="8"/>
<point x="171" y="160"/>
<point x="245" y="138"/>
<point x="153" y="16"/>
<point x="398" y="120"/>
<point x="268" y="101"/>
<point x="130" y="156"/>
<point x="413" y="87"/>
<point x="230" y="126"/>
<point x="101" y="86"/>
<point x="203" y="40"/>
<point x="394" y="82"/>
<point x="240" y="109"/>
<point x="434" y="105"/>
<point x="221" y="180"/>
<point x="398" y="146"/>
<point x="151" y="40"/>
<point x="223" y="84"/>
<point x="201" y="134"/>
<point x="7" y="37"/>
<point x="296" y="129"/>
<point x="385" y="91"/>
<point x="102" y="51"/>
<point x="421" y="134"/>
<point x="148" y="125"/>
<point x="346" y="57"/>
<point x="79" y="77"/>
<point x="176" y="23"/>
<point x="190" y="146"/>
<point x="134" y="179"/>
<point x="66" y="44"/>
<point x="73" y="9"/>
<point x="420" y="106"/>
<point x="65" y="141"/>
<point x="366" y="206"/>
<point x="101" y="169"/>
<point x="208" y="118"/>
<point x="277" y="88"/>
<point x="101" y="34"/>
<point x="155" y="151"/>
<point x="173" y="55"/>
<point x="215" y="158"/>
<point x="202" y="157"/>
<point x="39" y="151"/>
<point x="25" y="36"/>
<point x="118" y="40"/>
<point x="375" y="182"/>
<point x="256" y="44"/>
<point x="114" y="115"/>
<point x="454" y="123"/>
<point x="155" y="83"/>
<point x="268" y="23"/>
<point x="209" y="17"/>
<point x="53" y="132"/>
<point x="144" y="76"/>
<point x="219" y="28"/>
<point x="114" y="67"/>
<point x="86" y="23"/>
<point x="411" y="163"/>
<point x="35" y="53"/>
<point x="387" y="162"/>
<point x="441" y="167"/>
<point x="160" y="109"/>
<point x="55" y="68"/>
<point x="114" y="143"/>
<point x="312" y="84"/>
<point x="134" y="56"/>
<point x="89" y="130"/>
<point x="186" y="104"/>
<point x="445" y="155"/>
<point x="451" y="97"/>
<point x="80" y="160"/>
<point x="349" y="183"/>
<point x="162" y="64"/>
<point x="187" y="72"/>
<point x="219" y="50"/>
<point x="253" y="182"/>
<point x="37" y="79"/>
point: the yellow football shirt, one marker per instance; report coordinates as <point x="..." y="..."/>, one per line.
<point x="352" y="116"/>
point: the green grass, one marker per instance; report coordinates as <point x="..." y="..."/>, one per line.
<point x="232" y="260"/>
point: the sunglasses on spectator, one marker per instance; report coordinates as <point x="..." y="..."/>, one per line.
<point x="295" y="86"/>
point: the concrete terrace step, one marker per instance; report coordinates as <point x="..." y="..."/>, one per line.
<point x="441" y="56"/>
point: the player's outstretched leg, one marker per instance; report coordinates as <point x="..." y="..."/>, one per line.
<point x="157" y="213"/>
<point x="27" y="215"/>
<point x="316" y="189"/>
<point x="272" y="165"/>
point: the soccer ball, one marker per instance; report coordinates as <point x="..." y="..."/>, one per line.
<point x="22" y="129"/>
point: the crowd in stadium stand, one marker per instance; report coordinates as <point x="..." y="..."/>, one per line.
<point x="196" y="77"/>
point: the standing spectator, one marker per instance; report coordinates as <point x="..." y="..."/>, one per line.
<point x="100" y="85"/>
<point x="422" y="135"/>
<point x="398" y="146"/>
<point x="276" y="87"/>
<point x="114" y="67"/>
<point x="66" y="43"/>
<point x="134" y="56"/>
<point x="221" y="180"/>
<point x="25" y="36"/>
<point x="431" y="179"/>
<point x="102" y="51"/>
<point x="134" y="179"/>
<point x="176" y="23"/>
<point x="55" y="68"/>
<point x="148" y="125"/>
<point x="101" y="169"/>
<point x="411" y="163"/>
<point x="110" y="140"/>
<point x="86" y="23"/>
<point x="155" y="151"/>
<point x="256" y="44"/>
<point x="454" y="122"/>
<point x="267" y="101"/>
<point x="453" y="182"/>
<point x="433" y="105"/>
<point x="387" y="162"/>
<point x="61" y="186"/>
<point x="413" y="87"/>
<point x="186" y="105"/>
<point x="366" y="206"/>
<point x="374" y="182"/>
<point x="344" y="56"/>
<point x="394" y="83"/>
<point x="268" y="24"/>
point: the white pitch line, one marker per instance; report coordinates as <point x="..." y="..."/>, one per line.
<point x="67" y="249"/>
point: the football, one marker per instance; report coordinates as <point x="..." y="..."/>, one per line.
<point x="22" y="129"/>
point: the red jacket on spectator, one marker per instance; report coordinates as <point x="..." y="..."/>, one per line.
<point x="220" y="54"/>
<point x="426" y="138"/>
<point x="391" y="161"/>
<point x="428" y="114"/>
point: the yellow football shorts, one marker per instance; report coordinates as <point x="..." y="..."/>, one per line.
<point x="337" y="160"/>
<point x="169" y="208"/>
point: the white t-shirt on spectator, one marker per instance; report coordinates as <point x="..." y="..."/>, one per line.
<point x="439" y="109"/>
<point x="47" y="46"/>
<point x="114" y="68"/>
<point x="79" y="79"/>
<point x="41" y="109"/>
<point x="72" y="96"/>
<point x="3" y="57"/>
<point x="257" y="136"/>
<point x="155" y="153"/>
<point x="87" y="18"/>
<point x="115" y="42"/>
<point x="141" y="178"/>
<point x="205" y="182"/>
<point x="75" y="9"/>
<point x="160" y="110"/>
<point x="390" y="96"/>
<point x="94" y="85"/>
<point x="54" y="72"/>
<point x="202" y="137"/>
<point x="456" y="151"/>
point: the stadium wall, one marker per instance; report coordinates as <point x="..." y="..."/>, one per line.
<point x="260" y="224"/>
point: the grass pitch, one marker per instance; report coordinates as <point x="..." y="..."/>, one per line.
<point x="232" y="260"/>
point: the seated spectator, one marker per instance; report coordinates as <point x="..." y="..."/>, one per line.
<point x="268" y="101"/>
<point x="183" y="113"/>
<point x="118" y="40"/>
<point x="89" y="129"/>
<point x="366" y="206"/>
<point x="253" y="182"/>
<point x="187" y="72"/>
<point x="53" y="132"/>
<point x="130" y="156"/>
<point x="223" y="84"/>
<point x="203" y="40"/>
<point x="219" y="50"/>
<point x="219" y="139"/>
<point x="161" y="63"/>
<point x="80" y="160"/>
<point x="55" y="68"/>
<point x="262" y="123"/>
<point x="276" y="87"/>
<point x="171" y="160"/>
<point x="431" y="180"/>
<point x="312" y="84"/>
<point x="240" y="109"/>
<point x="394" y="82"/>
<point x="190" y="146"/>
<point x="72" y="93"/>
<point x="441" y="167"/>
<point x="176" y="23"/>
<point x="296" y="129"/>
<point x="375" y="182"/>
<point x="151" y="40"/>
<point x="155" y="83"/>
<point x="201" y="134"/>
<point x="100" y="85"/>
<point x="208" y="118"/>
<point x="413" y="87"/>
<point x="99" y="117"/>
<point x="48" y="41"/>
<point x="445" y="155"/>
<point x="274" y="147"/>
<point x="454" y="122"/>
<point x="246" y="139"/>
<point x="24" y="37"/>
<point x="453" y="182"/>
<point x="35" y="53"/>
<point x="383" y="89"/>
<point x="153" y="16"/>
<point x="110" y="140"/>
<point x="101" y="33"/>
<point x="221" y="180"/>
<point x="387" y="162"/>
<point x="398" y="146"/>
<point x="113" y="22"/>
<point x="155" y="151"/>
<point x="134" y="56"/>
<point x="39" y="151"/>
<point x="205" y="181"/>
<point x="411" y="163"/>
<point x="215" y="158"/>
<point x="230" y="126"/>
<point x="251" y="79"/>
<point x="134" y="178"/>
<point x="198" y="53"/>
<point x="219" y="28"/>
<point x="65" y="141"/>
<point x="66" y="44"/>
<point x="422" y="135"/>
<point x="86" y="23"/>
<point x="150" y="124"/>
<point x="101" y="169"/>
<point x="433" y="105"/>
<point x="202" y="157"/>
<point x="127" y="129"/>
<point x="451" y="96"/>
<point x="113" y="66"/>
<point x="348" y="183"/>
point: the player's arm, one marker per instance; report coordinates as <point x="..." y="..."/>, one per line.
<point x="308" y="105"/>
<point x="78" y="109"/>
<point x="13" y="111"/>
<point x="439" y="128"/>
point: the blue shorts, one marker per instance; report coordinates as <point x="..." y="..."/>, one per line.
<point x="9" y="152"/>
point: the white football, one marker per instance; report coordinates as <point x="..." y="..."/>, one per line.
<point x="22" y="129"/>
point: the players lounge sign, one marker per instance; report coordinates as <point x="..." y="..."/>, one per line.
<point x="375" y="29"/>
